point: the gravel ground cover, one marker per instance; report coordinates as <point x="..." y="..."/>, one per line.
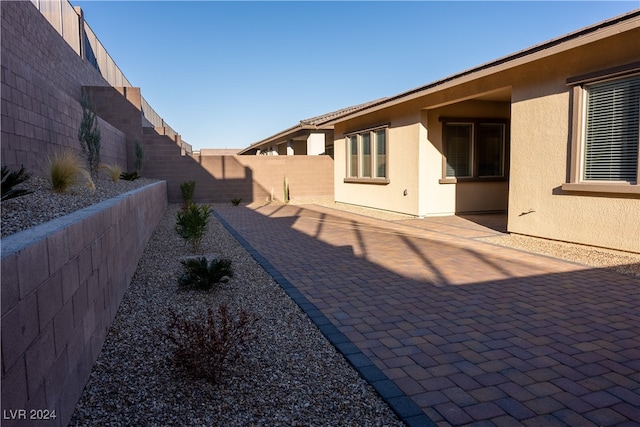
<point x="622" y="262"/>
<point x="44" y="205"/>
<point x="289" y="375"/>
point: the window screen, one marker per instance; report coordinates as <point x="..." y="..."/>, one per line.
<point x="611" y="130"/>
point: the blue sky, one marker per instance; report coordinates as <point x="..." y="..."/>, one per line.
<point x="228" y="74"/>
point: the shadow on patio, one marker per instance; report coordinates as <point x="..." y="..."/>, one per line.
<point x="467" y="331"/>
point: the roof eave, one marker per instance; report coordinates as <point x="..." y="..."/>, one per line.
<point x="572" y="40"/>
<point x="282" y="135"/>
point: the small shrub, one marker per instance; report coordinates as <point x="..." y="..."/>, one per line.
<point x="113" y="171"/>
<point x="89" y="135"/>
<point x="236" y="201"/>
<point x="200" y="274"/>
<point x="12" y="179"/>
<point x="187" y="189"/>
<point x="129" y="176"/>
<point x="206" y="344"/>
<point x="192" y="224"/>
<point x="64" y="170"/>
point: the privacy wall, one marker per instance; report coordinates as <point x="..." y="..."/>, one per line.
<point x="42" y="79"/>
<point x="220" y="179"/>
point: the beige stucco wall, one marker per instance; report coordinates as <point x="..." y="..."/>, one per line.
<point x="538" y="103"/>
<point x="448" y="199"/>
<point x="315" y="144"/>
<point x="415" y="163"/>
<point x="404" y="157"/>
<point x="540" y="155"/>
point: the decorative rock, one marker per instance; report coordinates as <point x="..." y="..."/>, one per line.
<point x="289" y="374"/>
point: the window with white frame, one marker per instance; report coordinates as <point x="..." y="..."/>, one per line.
<point x="474" y="149"/>
<point x="367" y="155"/>
<point x="605" y="126"/>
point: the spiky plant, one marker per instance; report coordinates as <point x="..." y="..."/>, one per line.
<point x="139" y="156"/>
<point x="129" y="176"/>
<point x="89" y="135"/>
<point x="12" y="179"/>
<point x="201" y="274"/>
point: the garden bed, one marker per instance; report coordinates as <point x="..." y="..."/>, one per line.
<point x="288" y="374"/>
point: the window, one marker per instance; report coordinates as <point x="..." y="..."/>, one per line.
<point x="474" y="149"/>
<point x="458" y="149"/>
<point x="353" y="156"/>
<point x="367" y="156"/>
<point x="381" y="153"/>
<point x="611" y="130"/>
<point x="605" y="128"/>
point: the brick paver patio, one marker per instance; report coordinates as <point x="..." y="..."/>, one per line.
<point x="454" y="331"/>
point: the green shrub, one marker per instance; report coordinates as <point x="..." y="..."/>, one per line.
<point x="129" y="176"/>
<point x="12" y="179"/>
<point x="236" y="201"/>
<point x="113" y="171"/>
<point x="65" y="169"/>
<point x="200" y="274"/>
<point x="89" y="135"/>
<point x="207" y="343"/>
<point x="187" y="189"/>
<point x="192" y="223"/>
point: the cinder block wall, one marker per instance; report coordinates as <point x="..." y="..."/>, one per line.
<point x="62" y="283"/>
<point x="42" y="77"/>
<point x="308" y="177"/>
<point x="121" y="106"/>
<point x="219" y="179"/>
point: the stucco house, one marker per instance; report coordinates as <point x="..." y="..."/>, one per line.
<point x="310" y="137"/>
<point x="548" y="134"/>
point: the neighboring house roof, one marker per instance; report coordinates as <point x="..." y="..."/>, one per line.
<point x="571" y="40"/>
<point x="313" y="123"/>
<point x="219" y="151"/>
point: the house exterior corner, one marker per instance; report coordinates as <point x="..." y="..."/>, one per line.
<point x="512" y="135"/>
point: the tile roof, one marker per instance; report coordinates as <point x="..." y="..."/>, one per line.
<point x="317" y="122"/>
<point x="328" y="116"/>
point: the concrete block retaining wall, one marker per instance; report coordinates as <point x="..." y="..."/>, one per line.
<point x="42" y="79"/>
<point x="62" y="283"/>
<point x="251" y="178"/>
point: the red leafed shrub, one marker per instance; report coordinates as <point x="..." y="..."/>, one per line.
<point x="206" y="343"/>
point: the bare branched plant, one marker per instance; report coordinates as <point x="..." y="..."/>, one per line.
<point x="204" y="345"/>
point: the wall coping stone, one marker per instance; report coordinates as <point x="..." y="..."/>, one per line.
<point x="24" y="238"/>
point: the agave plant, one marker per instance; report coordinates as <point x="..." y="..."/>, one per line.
<point x="201" y="274"/>
<point x="10" y="180"/>
<point x="129" y="176"/>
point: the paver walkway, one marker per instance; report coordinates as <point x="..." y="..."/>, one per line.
<point x="470" y="332"/>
